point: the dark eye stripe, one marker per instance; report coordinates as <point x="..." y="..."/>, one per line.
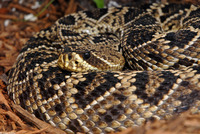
<point x="70" y="56"/>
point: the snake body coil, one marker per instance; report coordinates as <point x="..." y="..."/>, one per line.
<point x="59" y="74"/>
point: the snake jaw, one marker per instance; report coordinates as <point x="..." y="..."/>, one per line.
<point x="75" y="63"/>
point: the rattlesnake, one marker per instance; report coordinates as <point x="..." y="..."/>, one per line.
<point x="160" y="44"/>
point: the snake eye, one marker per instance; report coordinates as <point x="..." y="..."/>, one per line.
<point x="86" y="55"/>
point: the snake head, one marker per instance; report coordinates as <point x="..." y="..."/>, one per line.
<point x="91" y="61"/>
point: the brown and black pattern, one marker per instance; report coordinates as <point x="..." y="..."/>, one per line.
<point x="160" y="42"/>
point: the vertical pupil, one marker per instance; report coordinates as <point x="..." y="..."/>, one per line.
<point x="86" y="55"/>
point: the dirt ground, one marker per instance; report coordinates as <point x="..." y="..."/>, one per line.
<point x="18" y="23"/>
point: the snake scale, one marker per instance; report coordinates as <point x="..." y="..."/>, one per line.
<point x="108" y="69"/>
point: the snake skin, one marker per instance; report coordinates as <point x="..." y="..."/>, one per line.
<point x="161" y="45"/>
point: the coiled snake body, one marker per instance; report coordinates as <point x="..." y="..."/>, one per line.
<point x="59" y="75"/>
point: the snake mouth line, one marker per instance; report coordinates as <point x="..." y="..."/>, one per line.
<point x="76" y="62"/>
